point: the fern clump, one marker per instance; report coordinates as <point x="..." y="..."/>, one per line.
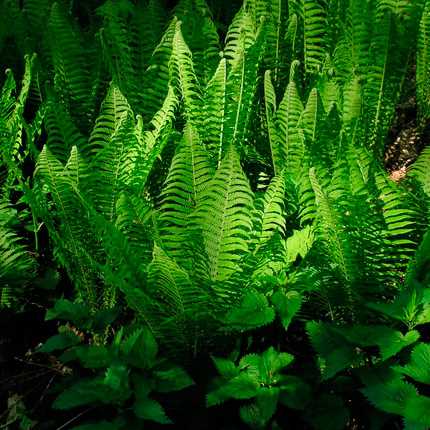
<point x="206" y="180"/>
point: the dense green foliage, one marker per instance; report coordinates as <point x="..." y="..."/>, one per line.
<point x="219" y="191"/>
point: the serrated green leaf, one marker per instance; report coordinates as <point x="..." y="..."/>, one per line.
<point x="253" y="312"/>
<point x="226" y="368"/>
<point x="287" y="304"/>
<point x="258" y="413"/>
<point x="419" y="366"/>
<point x="149" y="409"/>
<point x="173" y="379"/>
<point x="241" y="387"/>
<point x="60" y="341"/>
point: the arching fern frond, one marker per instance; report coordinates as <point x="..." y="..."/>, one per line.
<point x="215" y="110"/>
<point x="183" y="306"/>
<point x="17" y="266"/>
<point x="420" y="170"/>
<point x="155" y="82"/>
<point x="223" y="215"/>
<point x="71" y="73"/>
<point x="201" y="36"/>
<point x="272" y="211"/>
<point x="113" y="166"/>
<point x="241" y="89"/>
<point x="423" y="65"/>
<point x="152" y="142"/>
<point x="188" y="176"/>
<point x="240" y="37"/>
<point x="113" y="108"/>
<point x="287" y="140"/>
<point x="56" y="203"/>
<point x="314" y="14"/>
<point x="61" y="130"/>
<point x="184" y="79"/>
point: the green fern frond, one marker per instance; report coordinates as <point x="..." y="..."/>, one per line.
<point x="420" y="170"/>
<point x="62" y="132"/>
<point x="152" y="142"/>
<point x="272" y="211"/>
<point x="75" y="246"/>
<point x="314" y="14"/>
<point x="288" y="142"/>
<point x="223" y="214"/>
<point x="402" y="218"/>
<point x="309" y="119"/>
<point x="330" y="227"/>
<point x="240" y="37"/>
<point x="184" y="79"/>
<point x="182" y="303"/>
<point x="188" y="176"/>
<point x="113" y="108"/>
<point x="423" y="65"/>
<point x="241" y="89"/>
<point x="71" y="73"/>
<point x="149" y="23"/>
<point x="113" y="166"/>
<point x="201" y="36"/>
<point x="155" y="82"/>
<point x="17" y="266"/>
<point x="215" y="110"/>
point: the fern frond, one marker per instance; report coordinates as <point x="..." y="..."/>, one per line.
<point x="201" y="36"/>
<point x="314" y="14"/>
<point x="215" y="110"/>
<point x="113" y="108"/>
<point x="72" y="236"/>
<point x="423" y="65"/>
<point x="240" y="37"/>
<point x="17" y="266"/>
<point x="223" y="214"/>
<point x="113" y="166"/>
<point x="152" y="142"/>
<point x="182" y="304"/>
<point x="402" y="218"/>
<point x="184" y="79"/>
<point x="272" y="211"/>
<point x="241" y="89"/>
<point x="62" y="132"/>
<point x="188" y="176"/>
<point x="155" y="82"/>
<point x="289" y="139"/>
<point x="72" y="77"/>
<point x="420" y="170"/>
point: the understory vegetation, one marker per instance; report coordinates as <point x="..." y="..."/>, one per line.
<point x="195" y="198"/>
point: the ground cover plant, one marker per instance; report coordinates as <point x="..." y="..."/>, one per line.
<point x="215" y="215"/>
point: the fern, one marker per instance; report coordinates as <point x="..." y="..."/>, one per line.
<point x="184" y="78"/>
<point x="201" y="36"/>
<point x="71" y="235"/>
<point x="188" y="176"/>
<point x="423" y="72"/>
<point x="17" y="266"/>
<point x="155" y="82"/>
<point x="71" y="74"/>
<point x="223" y="214"/>
<point x="215" y="110"/>
<point x="286" y="138"/>
<point x="419" y="170"/>
<point x="113" y="108"/>
<point x="314" y="15"/>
